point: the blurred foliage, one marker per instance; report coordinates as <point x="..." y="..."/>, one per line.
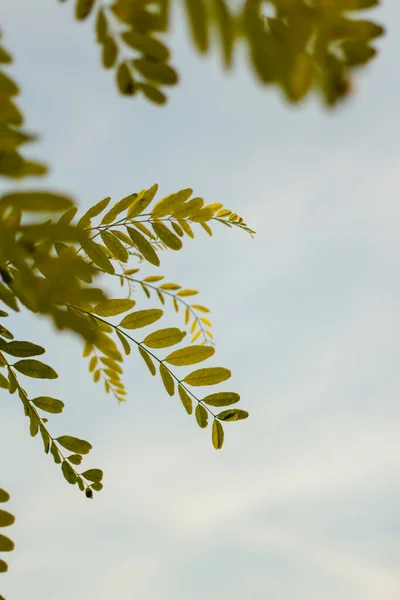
<point x="298" y="45"/>
<point x="52" y="260"/>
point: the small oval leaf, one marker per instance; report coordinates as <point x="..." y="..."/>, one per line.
<point x="210" y="376"/>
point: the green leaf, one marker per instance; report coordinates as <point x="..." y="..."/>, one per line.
<point x="4" y="496"/>
<point x="6" y="518"/>
<point x="144" y="246"/>
<point x="201" y="416"/>
<point x="186" y="400"/>
<point x="124" y="342"/>
<point x="116" y="248"/>
<point x="3" y="569"/>
<point x="81" y="484"/>
<point x="110" y="53"/>
<point x="76" y="459"/>
<point x="125" y="81"/>
<point x="37" y="201"/>
<point x="120" y="207"/>
<point x="153" y="94"/>
<point x="147" y="359"/>
<point x="189" y="355"/>
<point x="233" y="414"/>
<point x="74" y="444"/>
<point x="142" y="201"/>
<point x="164" y="338"/>
<point x="6" y="545"/>
<point x="83" y="8"/>
<point x="45" y="438"/>
<point x="95" y="475"/>
<point x="167" y="380"/>
<point x="217" y="435"/>
<point x="209" y="376"/>
<point x="3" y="382"/>
<point x="94" y="211"/>
<point x="115" y="306"/>
<point x="56" y="454"/>
<point x="146" y="44"/>
<point x="170" y="239"/>
<point x="35" y="369"/>
<point x="158" y="72"/>
<point x="170" y="203"/>
<point x="198" y="21"/>
<point x="48" y="404"/>
<point x="221" y="399"/>
<point x="141" y="318"/>
<point x="68" y="472"/>
<point x="96" y="253"/>
<point x="22" y="349"/>
<point x="97" y="486"/>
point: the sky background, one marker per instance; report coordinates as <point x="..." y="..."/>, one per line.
<point x="303" y="500"/>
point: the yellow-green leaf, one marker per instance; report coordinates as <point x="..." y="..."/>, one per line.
<point x="201" y="416"/>
<point x="222" y="399"/>
<point x="159" y="72"/>
<point x="95" y="475"/>
<point x="96" y="253"/>
<point x="167" y="380"/>
<point x="6" y="545"/>
<point x="124" y="342"/>
<point x="48" y="404"/>
<point x="83" y="8"/>
<point x="146" y="44"/>
<point x="125" y="81"/>
<point x="198" y="21"/>
<point x="74" y="444"/>
<point x="37" y="201"/>
<point x="168" y="204"/>
<point x="4" y="496"/>
<point x="114" y="306"/>
<point x="35" y="369"/>
<point x="144" y="246"/>
<point x="121" y="206"/>
<point x="110" y="53"/>
<point x="141" y="318"/>
<point x="116" y="248"/>
<point x="170" y="239"/>
<point x="189" y="355"/>
<point x="142" y="201"/>
<point x="68" y="472"/>
<point x="186" y="400"/>
<point x="3" y="569"/>
<point x="233" y="414"/>
<point x="6" y="518"/>
<point x="23" y="349"/>
<point x="208" y="376"/>
<point x="147" y="359"/>
<point x="217" y="435"/>
<point x="94" y="211"/>
<point x="187" y="293"/>
<point x="153" y="94"/>
<point x="164" y="337"/>
<point x="3" y="382"/>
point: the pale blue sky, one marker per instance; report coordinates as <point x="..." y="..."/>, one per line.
<point x="302" y="503"/>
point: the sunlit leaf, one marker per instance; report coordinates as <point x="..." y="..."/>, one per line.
<point x="141" y="318"/>
<point x="164" y="338"/>
<point x="112" y="307"/>
<point x="221" y="399"/>
<point x="144" y="247"/>
<point x="186" y="399"/>
<point x="36" y="201"/>
<point x="167" y="380"/>
<point x="217" y="435"/>
<point x="189" y="355"/>
<point x="208" y="376"/>
<point x="201" y="416"/>
<point x="48" y="404"/>
<point x="147" y="359"/>
<point x="233" y="414"/>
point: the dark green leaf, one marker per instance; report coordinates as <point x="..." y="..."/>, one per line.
<point x="68" y="472"/>
<point x="74" y="444"/>
<point x="95" y="475"/>
<point x="35" y="369"/>
<point x="23" y="349"/>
